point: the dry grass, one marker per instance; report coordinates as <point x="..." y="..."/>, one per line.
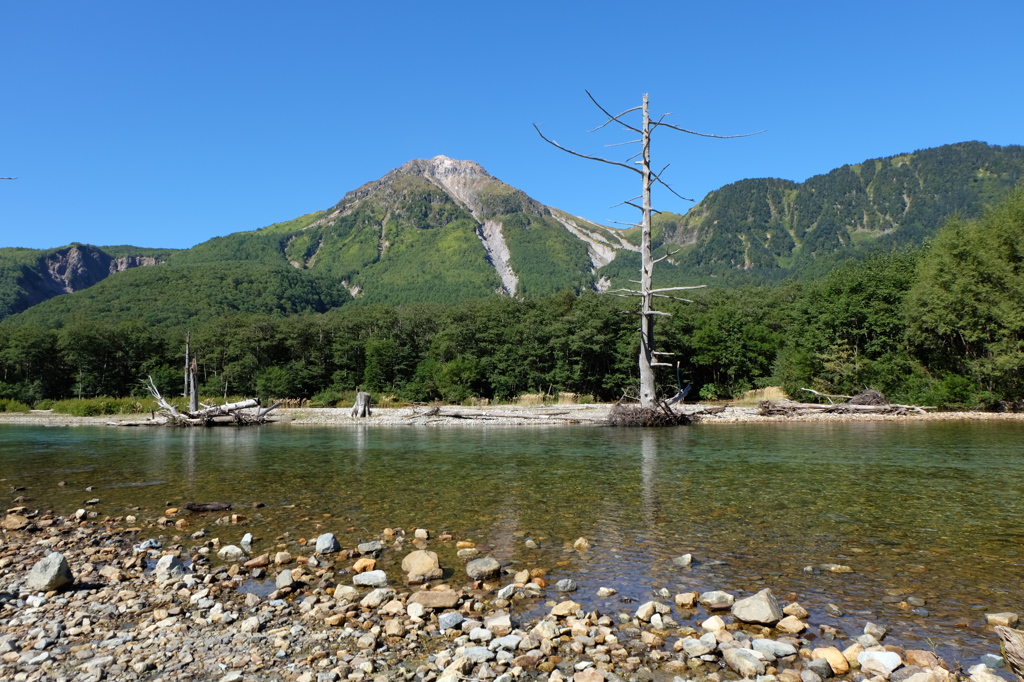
<point x="772" y="393"/>
<point x="530" y="399"/>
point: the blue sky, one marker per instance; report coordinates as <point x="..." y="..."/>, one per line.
<point x="166" y="124"/>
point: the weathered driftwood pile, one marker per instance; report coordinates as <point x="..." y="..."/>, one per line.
<point x="634" y="415"/>
<point x="869" y="401"/>
<point x="242" y="413"/>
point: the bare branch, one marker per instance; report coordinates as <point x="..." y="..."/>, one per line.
<point x="8" y="178"/>
<point x="584" y="156"/>
<point x="674" y="298"/>
<point x="623" y="144"/>
<point x="656" y="177"/>
<point x="694" y="132"/>
<point x="617" y="222"/>
<point x="629" y="199"/>
<point x="611" y="118"/>
<point x="697" y="286"/>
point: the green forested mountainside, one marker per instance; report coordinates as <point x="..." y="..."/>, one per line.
<point x="445" y="231"/>
<point x="941" y="325"/>
<point x="775" y="227"/>
<point x="30" y="276"/>
<point x="175" y="295"/>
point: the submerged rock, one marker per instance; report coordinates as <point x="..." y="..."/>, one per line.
<point x="327" y="544"/>
<point x="482" y="569"/>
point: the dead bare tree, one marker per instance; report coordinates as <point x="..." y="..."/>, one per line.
<point x="646" y="293"/>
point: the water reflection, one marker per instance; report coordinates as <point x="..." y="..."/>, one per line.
<point x="929" y="509"/>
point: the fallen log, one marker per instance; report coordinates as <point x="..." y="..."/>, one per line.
<point x="234" y="414"/>
<point x="791" y="408"/>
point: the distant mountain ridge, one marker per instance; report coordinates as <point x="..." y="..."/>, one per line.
<point x="30" y="276"/>
<point x="444" y="231"/>
<point x="773" y="224"/>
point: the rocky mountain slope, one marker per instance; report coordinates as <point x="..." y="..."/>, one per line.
<point x="29" y="277"/>
<point x="442" y="230"/>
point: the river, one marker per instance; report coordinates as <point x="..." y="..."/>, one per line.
<point x="928" y="516"/>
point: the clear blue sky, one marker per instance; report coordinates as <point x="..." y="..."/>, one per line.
<point x="165" y="124"/>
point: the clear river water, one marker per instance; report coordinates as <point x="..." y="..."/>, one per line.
<point x="928" y="515"/>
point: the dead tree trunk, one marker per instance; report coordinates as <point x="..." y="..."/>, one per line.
<point x="193" y="396"/>
<point x="646" y="293"/>
<point x="362" y="407"/>
<point x="647" y="361"/>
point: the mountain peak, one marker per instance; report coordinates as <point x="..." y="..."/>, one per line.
<point x="443" y="166"/>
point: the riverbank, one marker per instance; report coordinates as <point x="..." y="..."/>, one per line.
<point x="510" y="415"/>
<point x="195" y="606"/>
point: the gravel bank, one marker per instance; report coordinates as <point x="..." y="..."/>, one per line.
<point x="175" y="611"/>
<point x="513" y="415"/>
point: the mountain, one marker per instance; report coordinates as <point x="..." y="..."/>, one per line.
<point x="432" y="230"/>
<point x="778" y="227"/>
<point x="445" y="231"/>
<point x="30" y="276"/>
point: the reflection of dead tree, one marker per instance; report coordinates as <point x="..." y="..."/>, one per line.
<point x="241" y="413"/>
<point x="640" y="163"/>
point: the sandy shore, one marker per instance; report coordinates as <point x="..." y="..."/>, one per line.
<point x="510" y="415"/>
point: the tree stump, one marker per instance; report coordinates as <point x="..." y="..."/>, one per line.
<point x="362" y="406"/>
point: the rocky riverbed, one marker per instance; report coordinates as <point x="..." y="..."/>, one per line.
<point x="167" y="598"/>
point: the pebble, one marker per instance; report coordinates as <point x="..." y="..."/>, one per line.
<point x="196" y="621"/>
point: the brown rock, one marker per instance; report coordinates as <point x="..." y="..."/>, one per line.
<point x="588" y="675"/>
<point x="651" y="639"/>
<point x="282" y="558"/>
<point x="14" y="522"/>
<point x="791" y="624"/>
<point x="566" y="608"/>
<point x="422" y="563"/>
<point x="465" y="544"/>
<point x="924" y="659"/>
<point x="795" y="610"/>
<point x="262" y="561"/>
<point x="439" y="599"/>
<point x="364" y="564"/>
<point x="686" y="600"/>
<point x="835" y="658"/>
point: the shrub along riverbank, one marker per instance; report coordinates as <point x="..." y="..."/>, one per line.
<point x="941" y="326"/>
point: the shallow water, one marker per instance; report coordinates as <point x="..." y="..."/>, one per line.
<point x="931" y="510"/>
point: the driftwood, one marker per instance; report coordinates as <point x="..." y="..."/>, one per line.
<point x="242" y="413"/>
<point x="362" y="406"/>
<point x="789" y="408"/>
<point x="1012" y="648"/>
<point x="462" y="414"/>
<point x="636" y="415"/>
<point x="207" y="506"/>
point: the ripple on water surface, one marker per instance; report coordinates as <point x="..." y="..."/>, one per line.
<point x="930" y="511"/>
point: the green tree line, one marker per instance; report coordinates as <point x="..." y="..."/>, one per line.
<point x="942" y="325"/>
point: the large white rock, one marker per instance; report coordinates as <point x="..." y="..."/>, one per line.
<point x="371" y="579"/>
<point x="49" y="573"/>
<point x="743" y="661"/>
<point x="886" y="661"/>
<point x="761" y="608"/>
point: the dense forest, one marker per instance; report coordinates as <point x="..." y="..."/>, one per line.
<point x="940" y="325"/>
